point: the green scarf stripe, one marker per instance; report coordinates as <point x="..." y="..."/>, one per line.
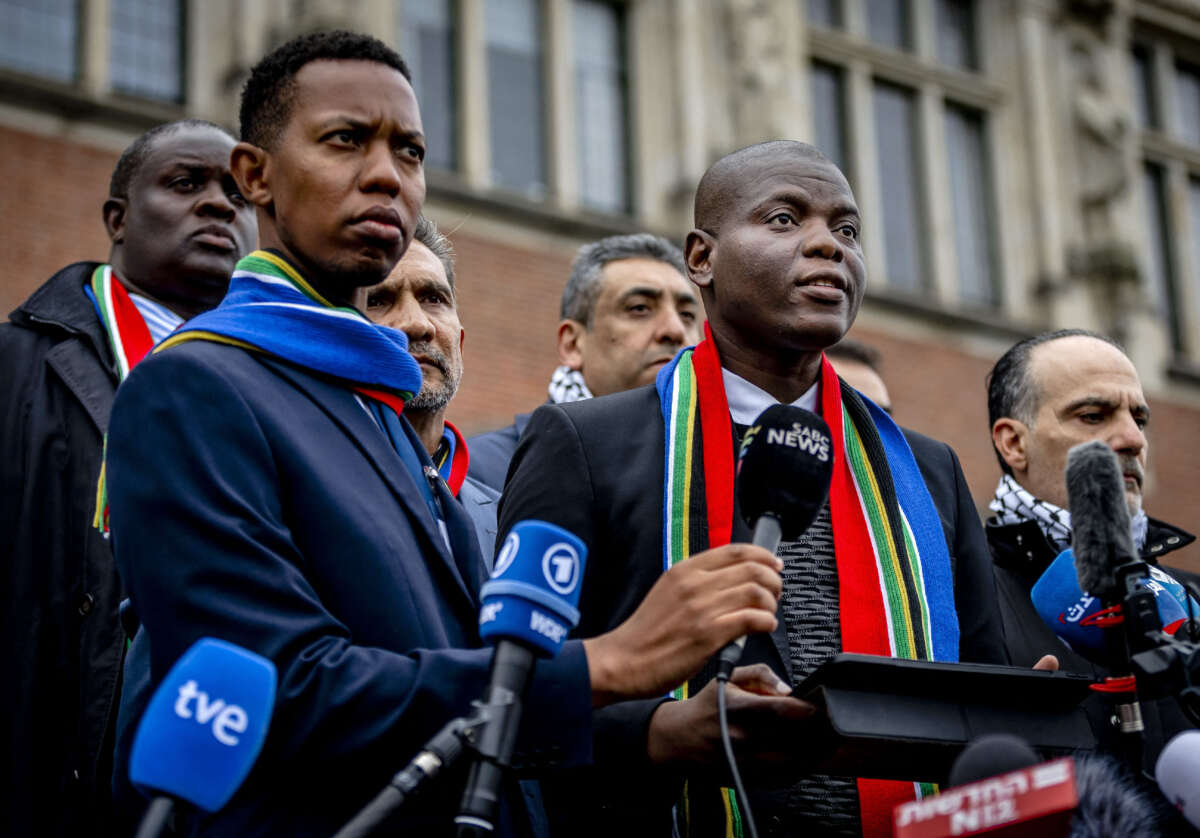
<point x="734" y="811"/>
<point x="918" y="575"/>
<point x="258" y="265"/>
<point x="915" y="615"/>
<point x="872" y="509"/>
<point x="683" y="411"/>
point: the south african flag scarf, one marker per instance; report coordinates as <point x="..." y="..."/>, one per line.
<point x="271" y="309"/>
<point x="895" y="587"/>
<point x="128" y="335"/>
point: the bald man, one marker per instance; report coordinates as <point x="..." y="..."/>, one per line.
<point x="776" y="257"/>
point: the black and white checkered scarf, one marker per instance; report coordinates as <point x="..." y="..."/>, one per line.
<point x="1014" y="505"/>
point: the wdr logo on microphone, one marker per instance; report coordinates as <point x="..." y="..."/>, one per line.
<point x="560" y="566"/>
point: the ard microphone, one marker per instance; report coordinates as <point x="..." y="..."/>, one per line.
<point x="783" y="475"/>
<point x="202" y="730"/>
<point x="529" y="605"/>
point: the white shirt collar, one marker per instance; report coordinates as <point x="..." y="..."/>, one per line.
<point x="747" y="401"/>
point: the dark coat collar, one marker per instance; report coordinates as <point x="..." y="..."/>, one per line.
<point x="1024" y="549"/>
<point x="60" y="305"/>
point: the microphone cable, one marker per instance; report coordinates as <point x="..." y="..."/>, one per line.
<point x="747" y="815"/>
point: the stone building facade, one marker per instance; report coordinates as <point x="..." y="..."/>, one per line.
<point x="1021" y="165"/>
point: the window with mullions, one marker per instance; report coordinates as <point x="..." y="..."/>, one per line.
<point x="889" y="23"/>
<point x="40" y="37"/>
<point x="971" y="200"/>
<point x="1187" y="102"/>
<point x="904" y="239"/>
<point x="957" y="45"/>
<point x="829" y="113"/>
<point x="601" y="105"/>
<point x="1145" y="97"/>
<point x="146" y="49"/>
<point x="515" y="91"/>
<point x="1161" y="278"/>
<point x="426" y="39"/>
<point x="827" y="13"/>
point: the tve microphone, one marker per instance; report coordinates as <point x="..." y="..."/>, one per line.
<point x="1072" y="614"/>
<point x="1178" y="774"/>
<point x="783" y="476"/>
<point x="202" y="729"/>
<point x="529" y="605"/>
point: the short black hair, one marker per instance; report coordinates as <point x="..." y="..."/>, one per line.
<point x="1011" y="391"/>
<point x="850" y="349"/>
<point x="267" y="95"/>
<point x="134" y="156"/>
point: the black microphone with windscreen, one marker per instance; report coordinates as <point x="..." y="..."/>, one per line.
<point x="1101" y="532"/>
<point x="783" y="475"/>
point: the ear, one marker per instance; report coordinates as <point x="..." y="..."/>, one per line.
<point x="250" y="166"/>
<point x="462" y="338"/>
<point x="698" y="253"/>
<point x="114" y="219"/>
<point x="571" y="336"/>
<point x="1008" y="435"/>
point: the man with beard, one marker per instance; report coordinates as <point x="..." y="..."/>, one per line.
<point x="178" y="225"/>
<point x="1046" y="395"/>
<point x="626" y="310"/>
<point x="775" y="253"/>
<point x="418" y="298"/>
<point x="265" y="487"/>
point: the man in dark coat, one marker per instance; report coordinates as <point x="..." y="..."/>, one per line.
<point x="775" y="253"/>
<point x="177" y="226"/>
<point x="1047" y="394"/>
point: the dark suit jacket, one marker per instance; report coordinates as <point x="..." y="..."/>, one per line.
<point x="492" y="451"/>
<point x="596" y="468"/>
<point x="254" y="502"/>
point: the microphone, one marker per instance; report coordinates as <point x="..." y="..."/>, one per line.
<point x="202" y="730"/>
<point x="1178" y="774"/>
<point x="529" y="605"/>
<point x="1086" y="797"/>
<point x="783" y="476"/>
<point x="1075" y="616"/>
<point x="1101" y="531"/>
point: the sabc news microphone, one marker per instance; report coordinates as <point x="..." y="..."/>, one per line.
<point x="783" y="476"/>
<point x="202" y="730"/>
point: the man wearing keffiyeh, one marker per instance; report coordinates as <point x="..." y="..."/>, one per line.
<point x="1047" y="394"/>
<point x="626" y="310"/>
<point x="895" y="564"/>
<point x="266" y="488"/>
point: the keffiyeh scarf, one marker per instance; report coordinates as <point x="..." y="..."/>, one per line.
<point x="566" y="386"/>
<point x="1013" y="504"/>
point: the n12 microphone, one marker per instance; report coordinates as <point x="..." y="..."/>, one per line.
<point x="783" y="476"/>
<point x="202" y="730"/>
<point x="1178" y="774"/>
<point x="1072" y="614"/>
<point x="529" y="605"/>
<point x="1090" y="796"/>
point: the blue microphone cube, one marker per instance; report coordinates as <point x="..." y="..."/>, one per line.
<point x="532" y="596"/>
<point x="205" y="725"/>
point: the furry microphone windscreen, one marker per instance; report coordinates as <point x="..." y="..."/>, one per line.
<point x="1113" y="802"/>
<point x="1100" y="527"/>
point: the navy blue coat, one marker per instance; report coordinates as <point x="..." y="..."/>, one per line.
<point x="257" y="503"/>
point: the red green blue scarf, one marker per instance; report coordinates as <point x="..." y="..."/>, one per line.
<point x="451" y="458"/>
<point x="272" y="309"/>
<point x="128" y="336"/>
<point x="895" y="587"/>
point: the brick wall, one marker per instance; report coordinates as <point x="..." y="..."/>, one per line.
<point x="509" y="294"/>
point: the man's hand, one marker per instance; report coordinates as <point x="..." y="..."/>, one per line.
<point x="692" y="611"/>
<point x="762" y="720"/>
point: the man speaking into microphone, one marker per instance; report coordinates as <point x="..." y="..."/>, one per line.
<point x="645" y="478"/>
